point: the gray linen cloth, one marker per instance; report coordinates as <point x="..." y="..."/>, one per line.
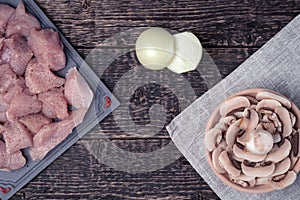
<point x="275" y="66"/>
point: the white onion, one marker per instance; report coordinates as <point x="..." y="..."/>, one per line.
<point x="155" y="48"/>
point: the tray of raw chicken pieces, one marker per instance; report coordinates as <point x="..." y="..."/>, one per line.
<point x="49" y="97"/>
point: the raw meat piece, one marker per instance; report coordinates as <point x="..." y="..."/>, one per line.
<point x="3" y="109"/>
<point x="16" y="137"/>
<point x="53" y="134"/>
<point x="5" y="13"/>
<point x="54" y="103"/>
<point x="47" y="48"/>
<point x="3" y="117"/>
<point x="10" y="162"/>
<point x="77" y="91"/>
<point x="7" y="77"/>
<point x="21" y="22"/>
<point x="3" y="104"/>
<point x="39" y="78"/>
<point x="14" y="90"/>
<point x="17" y="53"/>
<point x="35" y="122"/>
<point x="23" y="104"/>
<point x="1" y="41"/>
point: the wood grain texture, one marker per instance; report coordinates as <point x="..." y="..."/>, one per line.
<point x="239" y="23"/>
<point x="230" y="31"/>
<point x="147" y="95"/>
<point x="77" y="175"/>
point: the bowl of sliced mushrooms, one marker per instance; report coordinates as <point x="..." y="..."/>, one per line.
<point x="252" y="141"/>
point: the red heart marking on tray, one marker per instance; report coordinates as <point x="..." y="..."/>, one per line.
<point x="107" y="102"/>
<point x="4" y="190"/>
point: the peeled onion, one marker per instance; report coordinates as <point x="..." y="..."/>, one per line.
<point x="155" y="48"/>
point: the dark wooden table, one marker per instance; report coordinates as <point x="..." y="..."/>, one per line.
<point x="230" y="31"/>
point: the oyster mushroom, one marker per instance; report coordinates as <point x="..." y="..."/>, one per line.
<point x="233" y="103"/>
<point x="285" y="119"/>
<point x="262" y="171"/>
<point x="280" y="153"/>
<point x="285" y="180"/>
<point x="245" y="155"/>
<point x="267" y="104"/>
<point x="282" y="167"/>
<point x="228" y="165"/>
<point x="212" y="138"/>
<point x="269" y="95"/>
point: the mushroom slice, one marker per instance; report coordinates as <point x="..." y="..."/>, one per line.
<point x="239" y="114"/>
<point x="285" y="119"/>
<point x="274" y="118"/>
<point x="247" y="155"/>
<point x="266" y="119"/>
<point x="228" y="165"/>
<point x="296" y="144"/>
<point x="232" y="132"/>
<point x="294" y="160"/>
<point x="241" y="182"/>
<point x="259" y="127"/>
<point x="252" y="183"/>
<point x="263" y="180"/>
<point x="237" y="158"/>
<point x="269" y="95"/>
<point x="225" y="122"/>
<point x="287" y="180"/>
<point x="233" y="103"/>
<point x="293" y="119"/>
<point x="282" y="167"/>
<point x="253" y="106"/>
<point x="254" y="120"/>
<point x="276" y="138"/>
<point x="244" y="177"/>
<point x="215" y="160"/>
<point x="262" y="171"/>
<point x="252" y="100"/>
<point x="280" y="153"/>
<point x="267" y="104"/>
<point x="270" y="127"/>
<point x="211" y="138"/>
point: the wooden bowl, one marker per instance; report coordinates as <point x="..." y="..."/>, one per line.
<point x="215" y="118"/>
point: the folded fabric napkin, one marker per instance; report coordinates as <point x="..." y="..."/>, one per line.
<point x="275" y="66"/>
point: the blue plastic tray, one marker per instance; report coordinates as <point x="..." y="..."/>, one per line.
<point x="103" y="104"/>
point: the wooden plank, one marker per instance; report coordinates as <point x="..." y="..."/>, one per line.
<point x="150" y="94"/>
<point x="86" y="23"/>
<point x="78" y="175"/>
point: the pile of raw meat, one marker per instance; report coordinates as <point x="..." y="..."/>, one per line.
<point x="34" y="111"/>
